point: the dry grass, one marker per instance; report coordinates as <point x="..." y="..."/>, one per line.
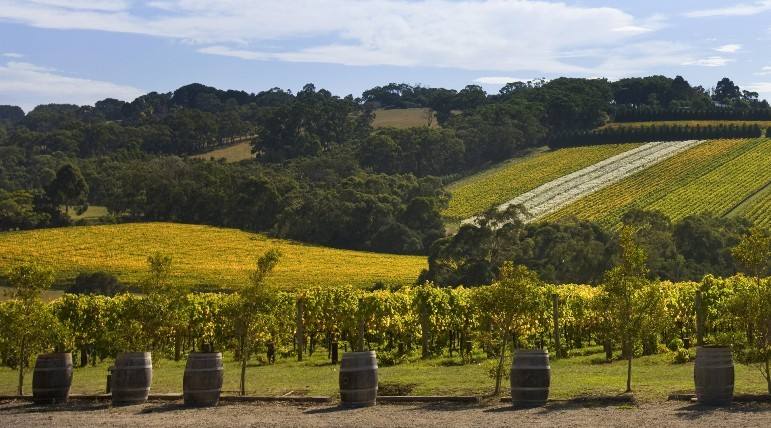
<point x="234" y="153"/>
<point x="404" y="118"/>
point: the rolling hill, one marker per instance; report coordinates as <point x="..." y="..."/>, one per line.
<point x="503" y="182"/>
<point x="203" y="256"/>
<point x="715" y="177"/>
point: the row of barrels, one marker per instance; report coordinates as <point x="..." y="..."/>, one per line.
<point x="130" y="378"/>
<point x="530" y="378"/>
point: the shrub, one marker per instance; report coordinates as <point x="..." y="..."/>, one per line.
<point x="675" y="344"/>
<point x="683" y="356"/>
<point x="103" y="283"/>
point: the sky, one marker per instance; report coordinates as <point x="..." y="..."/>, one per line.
<point x="81" y="51"/>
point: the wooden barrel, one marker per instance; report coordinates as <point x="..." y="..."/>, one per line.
<point x="530" y="378"/>
<point x="131" y="378"/>
<point x="358" y="379"/>
<point x="52" y="378"/>
<point x="713" y="375"/>
<point x="202" y="382"/>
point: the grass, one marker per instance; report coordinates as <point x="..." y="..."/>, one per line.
<point x="654" y="377"/>
<point x="762" y="123"/>
<point x="713" y="177"/>
<point x="94" y="212"/>
<point x="403" y="118"/>
<point x="234" y="153"/>
<point x="202" y="255"/>
<point x="496" y="185"/>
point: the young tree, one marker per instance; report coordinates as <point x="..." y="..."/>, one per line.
<point x="169" y="317"/>
<point x="754" y="254"/>
<point x="511" y="308"/>
<point x="252" y="308"/>
<point x="27" y="322"/>
<point x="68" y="188"/>
<point x="631" y="297"/>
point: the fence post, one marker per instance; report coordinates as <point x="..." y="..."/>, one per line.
<point x="699" y="307"/>
<point x="300" y="334"/>
<point x="555" y="302"/>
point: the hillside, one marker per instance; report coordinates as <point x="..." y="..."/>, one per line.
<point x="503" y="182"/>
<point x="235" y="153"/>
<point x="202" y="255"/>
<point x="713" y="177"/>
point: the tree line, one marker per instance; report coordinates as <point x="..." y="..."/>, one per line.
<point x="656" y="132"/>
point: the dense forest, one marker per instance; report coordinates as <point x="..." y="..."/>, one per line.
<point x="322" y="174"/>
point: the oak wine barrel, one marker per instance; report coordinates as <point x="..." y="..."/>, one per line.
<point x="358" y="379"/>
<point x="530" y="378"/>
<point x="131" y="378"/>
<point x="202" y="382"/>
<point x="713" y="375"/>
<point x="52" y="378"/>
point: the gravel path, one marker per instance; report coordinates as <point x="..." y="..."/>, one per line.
<point x="565" y="414"/>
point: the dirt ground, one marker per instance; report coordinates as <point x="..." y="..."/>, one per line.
<point x="563" y="414"/>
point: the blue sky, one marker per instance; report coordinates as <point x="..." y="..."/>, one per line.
<point x="80" y="51"/>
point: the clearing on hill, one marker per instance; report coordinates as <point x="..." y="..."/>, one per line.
<point x="203" y="256"/>
<point x="494" y="186"/>
<point x="717" y="177"/>
<point x="234" y="153"/>
<point x="404" y="118"/>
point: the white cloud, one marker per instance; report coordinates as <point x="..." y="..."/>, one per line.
<point x="28" y="85"/>
<point x="499" y="80"/>
<point x="13" y="55"/>
<point x="741" y="9"/>
<point x="732" y="48"/>
<point x="713" y="61"/>
<point x="503" y="35"/>
<point x="765" y="71"/>
<point x="761" y="87"/>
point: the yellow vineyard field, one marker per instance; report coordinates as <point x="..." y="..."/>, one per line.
<point x="713" y="177"/>
<point x="496" y="185"/>
<point x="202" y="255"/>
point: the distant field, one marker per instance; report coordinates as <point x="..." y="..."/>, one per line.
<point x="202" y="255"/>
<point x="234" y="153"/>
<point x="713" y="177"/>
<point x="762" y="123"/>
<point x="92" y="213"/>
<point x="403" y="118"/>
<point x="501" y="183"/>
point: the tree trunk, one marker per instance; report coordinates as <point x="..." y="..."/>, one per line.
<point x="83" y="356"/>
<point x="499" y="370"/>
<point x="699" y="307"/>
<point x="20" y="389"/>
<point x="555" y="301"/>
<point x="243" y="365"/>
<point x="607" y="346"/>
<point x="177" y="346"/>
<point x="629" y="355"/>
<point x="300" y="339"/>
<point x="426" y="334"/>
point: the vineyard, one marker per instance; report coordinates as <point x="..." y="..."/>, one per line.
<point x="713" y="177"/>
<point x="203" y="256"/>
<point x="757" y="207"/>
<point x="555" y="194"/>
<point x="447" y="322"/>
<point x="497" y="185"/>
